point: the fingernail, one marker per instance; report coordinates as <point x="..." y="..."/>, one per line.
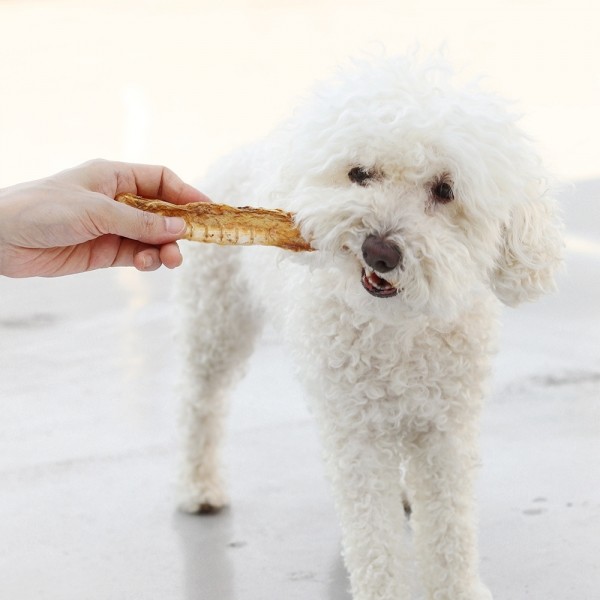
<point x="175" y="224"/>
<point x="148" y="261"/>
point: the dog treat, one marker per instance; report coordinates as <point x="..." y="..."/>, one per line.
<point x="227" y="225"/>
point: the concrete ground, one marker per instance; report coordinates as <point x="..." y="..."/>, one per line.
<point x="88" y="448"/>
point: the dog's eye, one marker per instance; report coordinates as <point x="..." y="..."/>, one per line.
<point x="442" y="192"/>
<point x="360" y="175"/>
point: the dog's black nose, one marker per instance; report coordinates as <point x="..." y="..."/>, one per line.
<point x="381" y="255"/>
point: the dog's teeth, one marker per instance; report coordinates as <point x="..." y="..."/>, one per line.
<point x="379" y="282"/>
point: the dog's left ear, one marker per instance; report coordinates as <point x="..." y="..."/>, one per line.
<point x="530" y="251"/>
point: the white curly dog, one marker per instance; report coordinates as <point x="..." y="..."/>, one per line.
<point x="426" y="205"/>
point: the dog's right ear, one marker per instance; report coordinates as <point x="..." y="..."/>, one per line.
<point x="531" y="251"/>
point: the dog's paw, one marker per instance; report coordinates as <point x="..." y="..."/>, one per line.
<point x="205" y="501"/>
<point x="480" y="592"/>
<point x="476" y="591"/>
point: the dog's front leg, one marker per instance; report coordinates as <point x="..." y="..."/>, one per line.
<point x="217" y="334"/>
<point x="365" y="476"/>
<point x="440" y="475"/>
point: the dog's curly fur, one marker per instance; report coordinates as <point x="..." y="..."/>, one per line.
<point x="395" y="360"/>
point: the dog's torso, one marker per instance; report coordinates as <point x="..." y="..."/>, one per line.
<point x="378" y="374"/>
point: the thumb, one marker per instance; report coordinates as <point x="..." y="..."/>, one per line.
<point x="143" y="226"/>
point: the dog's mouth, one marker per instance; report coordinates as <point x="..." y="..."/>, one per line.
<point x="377" y="286"/>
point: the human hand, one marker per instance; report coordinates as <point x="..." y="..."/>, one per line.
<point x="69" y="222"/>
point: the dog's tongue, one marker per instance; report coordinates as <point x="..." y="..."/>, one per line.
<point x="378" y="281"/>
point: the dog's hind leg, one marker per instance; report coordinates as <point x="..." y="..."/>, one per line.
<point x="219" y="327"/>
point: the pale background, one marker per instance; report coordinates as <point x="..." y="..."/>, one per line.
<point x="88" y="366"/>
<point x="180" y="82"/>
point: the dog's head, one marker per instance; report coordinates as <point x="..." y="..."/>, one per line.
<point x="425" y="194"/>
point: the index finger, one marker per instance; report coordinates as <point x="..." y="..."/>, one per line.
<point x="153" y="181"/>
